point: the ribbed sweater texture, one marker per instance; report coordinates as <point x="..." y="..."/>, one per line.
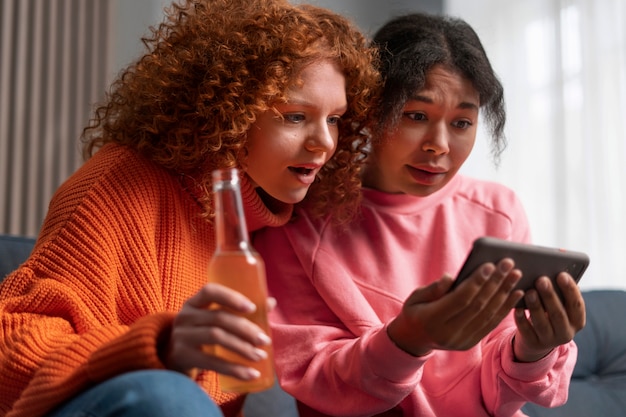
<point x="122" y="247"/>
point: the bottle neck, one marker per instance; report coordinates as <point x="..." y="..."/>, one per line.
<point x="230" y="221"/>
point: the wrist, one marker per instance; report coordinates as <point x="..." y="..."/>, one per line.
<point x="524" y="355"/>
<point x="392" y="334"/>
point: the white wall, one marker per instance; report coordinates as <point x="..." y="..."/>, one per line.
<point x="371" y="14"/>
<point x="562" y="64"/>
<point x="132" y="18"/>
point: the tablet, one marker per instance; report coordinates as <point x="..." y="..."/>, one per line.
<point x="534" y="261"/>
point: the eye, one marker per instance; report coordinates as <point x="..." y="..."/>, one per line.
<point x="462" y="124"/>
<point x="334" y="120"/>
<point x="294" y="117"/>
<point x="415" y="116"/>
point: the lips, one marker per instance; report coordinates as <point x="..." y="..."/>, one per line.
<point x="428" y="175"/>
<point x="305" y="173"/>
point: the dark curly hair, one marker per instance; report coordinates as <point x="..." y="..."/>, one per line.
<point x="411" y="45"/>
<point x="212" y="66"/>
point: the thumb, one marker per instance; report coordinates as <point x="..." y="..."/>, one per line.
<point x="431" y="292"/>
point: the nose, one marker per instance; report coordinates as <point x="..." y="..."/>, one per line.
<point x="437" y="141"/>
<point x="321" y="139"/>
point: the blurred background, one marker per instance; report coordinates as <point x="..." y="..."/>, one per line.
<point x="562" y="63"/>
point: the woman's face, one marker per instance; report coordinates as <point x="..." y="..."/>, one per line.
<point x="435" y="136"/>
<point x="287" y="149"/>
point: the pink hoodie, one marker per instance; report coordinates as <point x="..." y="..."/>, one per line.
<point x="337" y="289"/>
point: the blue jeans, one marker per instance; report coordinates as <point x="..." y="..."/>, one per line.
<point x="154" y="393"/>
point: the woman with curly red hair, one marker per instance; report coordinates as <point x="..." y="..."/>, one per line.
<point x="109" y="315"/>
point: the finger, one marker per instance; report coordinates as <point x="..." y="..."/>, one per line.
<point x="502" y="287"/>
<point x="206" y="342"/>
<point x="196" y="358"/>
<point x="502" y="298"/>
<point x="431" y="292"/>
<point x="497" y="277"/>
<point x="489" y="319"/>
<point x="215" y="293"/>
<point x="234" y="333"/>
<point x="230" y="331"/>
<point x="475" y="328"/>
<point x="459" y="301"/>
<point x="548" y="295"/>
<point x="216" y="336"/>
<point x="524" y="326"/>
<point x="477" y="279"/>
<point x="271" y="303"/>
<point x="204" y="321"/>
<point x="556" y="313"/>
<point x="492" y="300"/>
<point x="538" y="300"/>
<point x="574" y="302"/>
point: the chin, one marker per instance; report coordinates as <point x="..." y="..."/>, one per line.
<point x="290" y="197"/>
<point x="422" y="190"/>
<point x="295" y="199"/>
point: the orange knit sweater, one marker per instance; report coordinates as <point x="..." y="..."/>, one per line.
<point x="122" y="247"/>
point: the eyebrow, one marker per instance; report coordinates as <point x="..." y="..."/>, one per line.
<point x="463" y="105"/>
<point x="305" y="103"/>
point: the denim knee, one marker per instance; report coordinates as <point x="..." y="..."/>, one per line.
<point x="155" y="393"/>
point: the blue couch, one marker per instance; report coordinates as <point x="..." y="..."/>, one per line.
<point x="598" y="386"/>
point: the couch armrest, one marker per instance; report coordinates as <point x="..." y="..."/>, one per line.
<point x="13" y="251"/>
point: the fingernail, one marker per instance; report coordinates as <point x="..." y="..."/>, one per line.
<point x="260" y="354"/>
<point x="264" y="339"/>
<point x="249" y="307"/>
<point x="487" y="270"/>
<point x="505" y="267"/>
<point x="252" y="373"/>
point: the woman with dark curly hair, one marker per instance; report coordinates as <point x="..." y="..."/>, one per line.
<point x="110" y="313"/>
<point x="367" y="323"/>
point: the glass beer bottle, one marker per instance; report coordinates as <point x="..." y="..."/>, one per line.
<point x="237" y="265"/>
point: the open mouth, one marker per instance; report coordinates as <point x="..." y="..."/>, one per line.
<point x="301" y="170"/>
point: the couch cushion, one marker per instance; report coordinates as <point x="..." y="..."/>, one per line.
<point x="273" y="402"/>
<point x="13" y="251"/>
<point x="598" y="386"/>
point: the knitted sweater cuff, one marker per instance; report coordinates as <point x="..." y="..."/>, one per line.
<point x="138" y="348"/>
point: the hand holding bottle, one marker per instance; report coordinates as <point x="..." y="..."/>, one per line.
<point x="200" y="324"/>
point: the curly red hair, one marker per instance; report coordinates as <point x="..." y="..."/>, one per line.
<point x="213" y="65"/>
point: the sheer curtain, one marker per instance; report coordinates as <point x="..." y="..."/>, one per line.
<point x="563" y="66"/>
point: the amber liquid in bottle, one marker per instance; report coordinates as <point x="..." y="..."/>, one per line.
<point x="237" y="265"/>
